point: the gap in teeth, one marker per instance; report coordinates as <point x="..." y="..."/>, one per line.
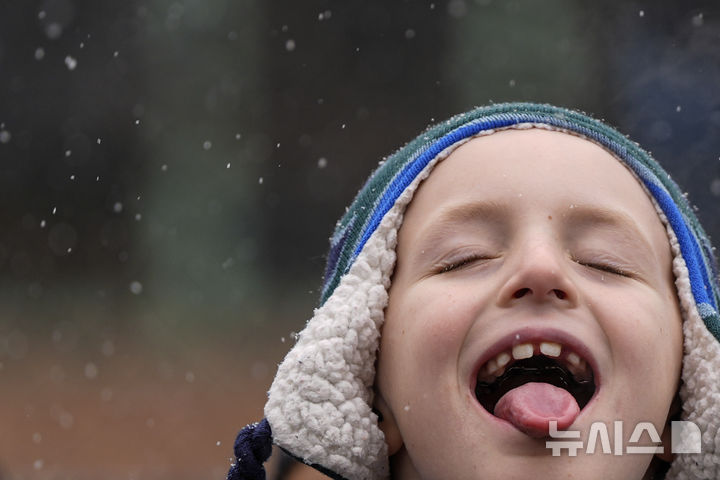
<point x="495" y="367"/>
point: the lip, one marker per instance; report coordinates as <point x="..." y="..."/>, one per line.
<point x="536" y="335"/>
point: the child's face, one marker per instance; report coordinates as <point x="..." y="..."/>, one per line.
<point x="521" y="237"/>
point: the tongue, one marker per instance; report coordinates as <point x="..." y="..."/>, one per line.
<point x="531" y="406"/>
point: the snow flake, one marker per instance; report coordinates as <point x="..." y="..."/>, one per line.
<point x="66" y="420"/>
<point x="91" y="371"/>
<point x="70" y="62"/>
<point x="715" y="187"/>
<point x="53" y="30"/>
<point x="136" y="287"/>
<point x="107" y="348"/>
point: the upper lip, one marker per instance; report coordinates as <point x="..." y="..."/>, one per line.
<point x="534" y="334"/>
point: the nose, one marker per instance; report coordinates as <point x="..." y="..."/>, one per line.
<point x="539" y="274"/>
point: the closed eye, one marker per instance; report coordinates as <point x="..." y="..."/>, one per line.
<point x="458" y="264"/>
<point x="606" y="267"/>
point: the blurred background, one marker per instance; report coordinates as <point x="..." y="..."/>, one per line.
<point x="171" y="170"/>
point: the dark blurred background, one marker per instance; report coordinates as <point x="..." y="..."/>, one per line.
<point x="170" y="172"/>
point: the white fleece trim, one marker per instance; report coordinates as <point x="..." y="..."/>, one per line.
<point x="700" y="389"/>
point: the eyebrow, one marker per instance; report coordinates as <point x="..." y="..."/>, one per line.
<point x="486" y="211"/>
<point x="599" y="215"/>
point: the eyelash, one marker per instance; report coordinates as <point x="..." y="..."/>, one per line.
<point x="446" y="267"/>
<point x="605" y="267"/>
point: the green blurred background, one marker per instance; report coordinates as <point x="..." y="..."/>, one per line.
<point x="170" y="172"/>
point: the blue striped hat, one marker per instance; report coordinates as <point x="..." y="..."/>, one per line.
<point x="319" y="405"/>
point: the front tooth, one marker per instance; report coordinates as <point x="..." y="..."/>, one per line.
<point x="503" y="359"/>
<point x="550" y="349"/>
<point x="524" y="350"/>
<point x="573" y="359"/>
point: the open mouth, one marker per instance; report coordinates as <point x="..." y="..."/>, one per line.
<point x="532" y="383"/>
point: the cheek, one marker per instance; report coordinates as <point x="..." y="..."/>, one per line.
<point x="646" y="340"/>
<point x="423" y="333"/>
<point x="436" y="322"/>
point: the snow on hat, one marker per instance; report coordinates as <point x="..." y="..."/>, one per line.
<point x="319" y="406"/>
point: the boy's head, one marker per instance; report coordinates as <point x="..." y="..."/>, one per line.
<point x="519" y="244"/>
<point x="525" y="265"/>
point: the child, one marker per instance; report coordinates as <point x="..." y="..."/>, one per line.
<point x="540" y="283"/>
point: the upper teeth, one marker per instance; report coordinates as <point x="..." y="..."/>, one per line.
<point x="503" y="359"/>
<point x="551" y="349"/>
<point x="524" y="350"/>
<point x="573" y="359"/>
<point x="495" y="367"/>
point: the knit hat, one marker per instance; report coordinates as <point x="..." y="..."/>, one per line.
<point x="319" y="406"/>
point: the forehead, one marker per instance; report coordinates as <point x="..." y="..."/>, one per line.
<point x="525" y="171"/>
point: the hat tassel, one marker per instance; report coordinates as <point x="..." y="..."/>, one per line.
<point x="253" y="447"/>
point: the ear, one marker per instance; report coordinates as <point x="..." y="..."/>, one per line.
<point x="386" y="422"/>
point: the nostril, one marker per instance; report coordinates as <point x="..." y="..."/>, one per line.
<point x="559" y="294"/>
<point x="521" y="292"/>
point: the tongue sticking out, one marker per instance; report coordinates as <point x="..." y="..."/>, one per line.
<point x="531" y="406"/>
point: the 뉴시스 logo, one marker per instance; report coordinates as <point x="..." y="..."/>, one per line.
<point x="685" y="438"/>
